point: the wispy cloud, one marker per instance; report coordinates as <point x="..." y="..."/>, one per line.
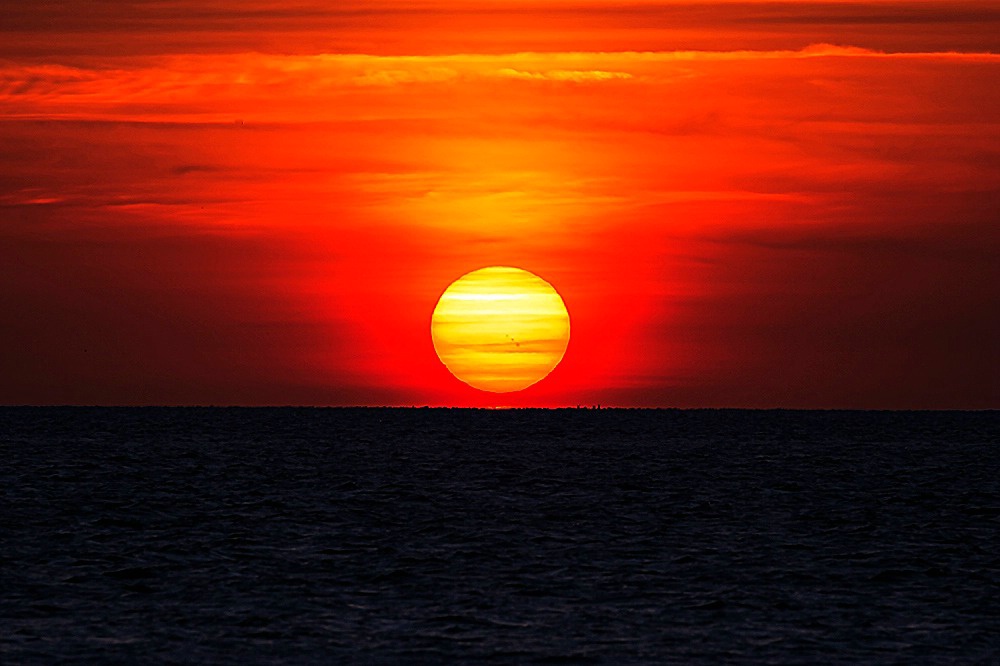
<point x="268" y="87"/>
<point x="100" y="28"/>
<point x="575" y="76"/>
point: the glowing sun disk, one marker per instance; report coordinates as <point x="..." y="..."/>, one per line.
<point x="500" y="329"/>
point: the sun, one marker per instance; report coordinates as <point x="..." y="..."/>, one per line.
<point x="500" y="329"/>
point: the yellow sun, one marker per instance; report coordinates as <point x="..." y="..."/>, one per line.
<point x="500" y="329"/>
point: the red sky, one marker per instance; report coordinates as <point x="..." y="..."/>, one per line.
<point x="745" y="204"/>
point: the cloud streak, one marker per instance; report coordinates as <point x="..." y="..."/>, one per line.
<point x="98" y="29"/>
<point x="169" y="89"/>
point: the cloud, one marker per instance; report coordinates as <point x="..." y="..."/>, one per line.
<point x="266" y="88"/>
<point x="393" y="77"/>
<point x="573" y="76"/>
<point x="102" y="28"/>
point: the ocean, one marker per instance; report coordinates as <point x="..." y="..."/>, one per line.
<point x="302" y="535"/>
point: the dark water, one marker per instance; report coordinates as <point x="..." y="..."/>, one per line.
<point x="400" y="536"/>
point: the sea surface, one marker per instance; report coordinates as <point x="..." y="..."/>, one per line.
<point x="297" y="535"/>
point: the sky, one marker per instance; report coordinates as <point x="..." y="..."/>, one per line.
<point x="742" y="204"/>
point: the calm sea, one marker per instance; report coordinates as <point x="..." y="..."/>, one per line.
<point x="195" y="535"/>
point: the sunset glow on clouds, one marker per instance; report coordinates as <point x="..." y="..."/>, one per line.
<point x="742" y="204"/>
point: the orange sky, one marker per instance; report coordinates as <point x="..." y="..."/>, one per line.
<point x="742" y="204"/>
